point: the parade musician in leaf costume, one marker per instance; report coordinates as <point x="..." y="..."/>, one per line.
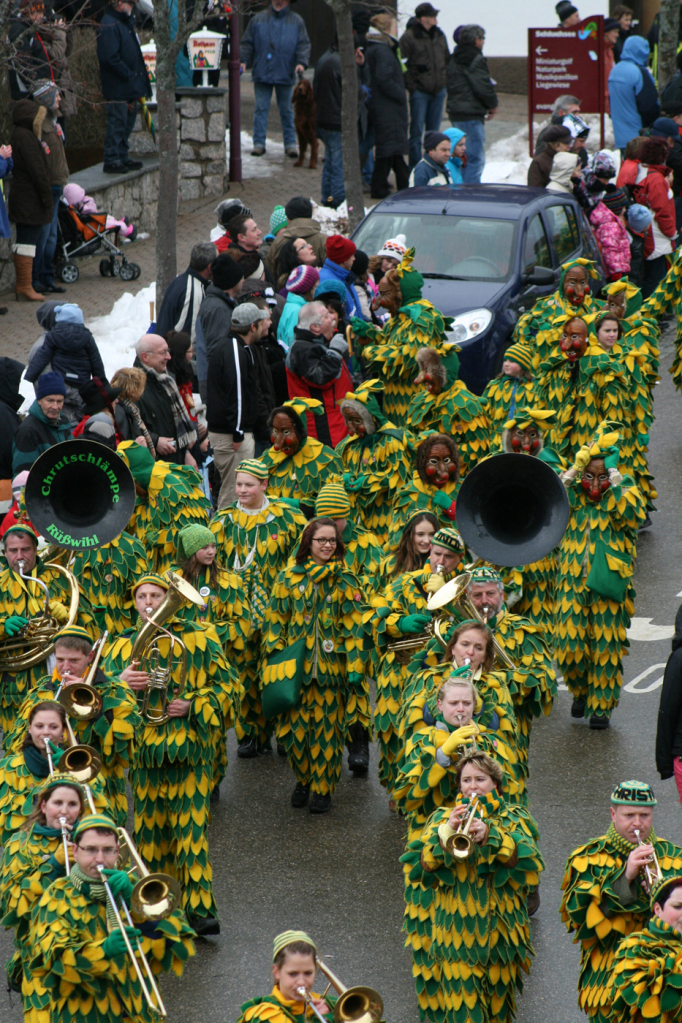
<point x="176" y="762"/>
<point x="646" y="982"/>
<point x="605" y="897"/>
<point x="293" y="967"/>
<point x="481" y="940"/>
<point x="255" y="537"/>
<point x="375" y="458"/>
<point x="444" y="404"/>
<point x="33" y="858"/>
<point x="392" y="350"/>
<point x="297" y="464"/>
<point x="595" y="596"/>
<point x="111" y="733"/>
<point x="433" y="487"/>
<point x="106" y="576"/>
<point x="510" y="390"/>
<point x="317" y="601"/>
<point x="77" y="951"/>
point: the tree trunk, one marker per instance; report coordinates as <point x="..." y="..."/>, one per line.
<point x="352" y="174"/>
<point x="668" y="30"/>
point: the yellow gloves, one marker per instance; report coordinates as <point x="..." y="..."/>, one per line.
<point x="460" y="737"/>
<point x="434" y="583"/>
<point x="59" y="612"/>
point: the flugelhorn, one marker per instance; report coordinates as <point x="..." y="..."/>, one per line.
<point x="651" y="874"/>
<point x="81" y="700"/>
<point x="146" y="649"/>
<point x="459" y="842"/>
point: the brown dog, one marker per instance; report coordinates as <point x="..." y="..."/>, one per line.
<point x="304" y="120"/>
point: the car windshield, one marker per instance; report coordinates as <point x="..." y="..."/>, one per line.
<point x="464" y="248"/>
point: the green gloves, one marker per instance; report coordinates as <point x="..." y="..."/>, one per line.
<point x="611" y="458"/>
<point x="643" y="439"/>
<point x="444" y="501"/>
<point x="114" y="944"/>
<point x="413" y="624"/>
<point x="56" y="752"/>
<point x="14" y="624"/>
<point x="355" y="679"/>
<point x="120" y="883"/>
<point x="354" y="485"/>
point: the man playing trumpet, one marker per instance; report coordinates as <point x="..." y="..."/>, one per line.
<point x="79" y="958"/>
<point x="606" y="889"/>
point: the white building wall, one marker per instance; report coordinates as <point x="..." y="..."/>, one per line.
<point x="506" y="22"/>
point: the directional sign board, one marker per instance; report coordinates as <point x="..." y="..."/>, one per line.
<point x="566" y="61"/>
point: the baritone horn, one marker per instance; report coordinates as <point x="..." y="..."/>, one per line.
<point x="146" y="648"/>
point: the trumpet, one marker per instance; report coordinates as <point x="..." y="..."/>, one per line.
<point x="81" y="700"/>
<point x="651" y="874"/>
<point x="146" y="649"/>
<point x="65" y="840"/>
<point x="36" y="640"/>
<point x="459" y="842"/>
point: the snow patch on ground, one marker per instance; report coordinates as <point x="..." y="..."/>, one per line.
<point x="257" y="166"/>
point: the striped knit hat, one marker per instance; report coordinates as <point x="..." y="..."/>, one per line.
<point x="520" y="354"/>
<point x="485" y="574"/>
<point x="153" y="579"/>
<point x="21" y="527"/>
<point x="332" y="500"/>
<point x="278" y="219"/>
<point x="288" y="938"/>
<point x="74" y="630"/>
<point x="633" y="793"/>
<point x="254" y="467"/>
<point x="95" y="820"/>
<point x="449" y="537"/>
<point x="302" y="279"/>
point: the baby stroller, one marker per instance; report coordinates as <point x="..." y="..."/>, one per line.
<point x="82" y="234"/>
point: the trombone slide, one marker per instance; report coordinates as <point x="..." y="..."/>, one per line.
<point x="305" y="995"/>
<point x="65" y="840"/>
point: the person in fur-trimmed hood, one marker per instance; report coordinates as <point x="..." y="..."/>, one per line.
<point x="446" y="405"/>
<point x="30" y="198"/>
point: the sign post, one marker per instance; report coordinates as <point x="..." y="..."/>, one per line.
<point x="565" y="61"/>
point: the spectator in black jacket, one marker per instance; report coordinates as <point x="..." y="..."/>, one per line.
<point x="70" y="349"/>
<point x="387" y="105"/>
<point x="183" y="298"/>
<point x="124" y="81"/>
<point x="471" y="97"/>
<point x="233" y="407"/>
<point x="424" y="48"/>
<point x="10" y="403"/>
<point x="669" y="731"/>
<point x="215" y="314"/>
<point x="30" y="60"/>
<point x="161" y="405"/>
<point x="327" y="92"/>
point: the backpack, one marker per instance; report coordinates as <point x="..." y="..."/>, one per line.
<point x="646" y="99"/>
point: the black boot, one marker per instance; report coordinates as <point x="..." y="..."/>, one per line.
<point x="204" y="925"/>
<point x="320" y="803"/>
<point x="358" y="749"/>
<point x="248" y="748"/>
<point x="533" y="900"/>
<point x="578" y="707"/>
<point x="598" y="722"/>
<point x="299" y="797"/>
<point x="281" y="752"/>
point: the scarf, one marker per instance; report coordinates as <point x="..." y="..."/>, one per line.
<point x="622" y="845"/>
<point x="36" y="762"/>
<point x="134" y="411"/>
<point x="95" y="890"/>
<point x="185" y="433"/>
<point x="319" y="572"/>
<point x="42" y="829"/>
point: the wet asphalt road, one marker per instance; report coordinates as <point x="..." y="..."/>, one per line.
<point x="338" y="876"/>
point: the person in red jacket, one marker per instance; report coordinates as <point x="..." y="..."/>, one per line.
<point x="316" y="369"/>
<point x="649" y="181"/>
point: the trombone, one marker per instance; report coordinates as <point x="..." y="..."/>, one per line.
<point x="81" y="700"/>
<point x="652" y="874"/>
<point x="354" y="1004"/>
<point x="459" y="842"/>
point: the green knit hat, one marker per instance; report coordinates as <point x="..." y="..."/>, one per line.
<point x="53" y="782"/>
<point x="74" y="630"/>
<point x="138" y="459"/>
<point x="278" y="220"/>
<point x="153" y="578"/>
<point x="629" y="793"/>
<point x="21" y="527"/>
<point x="191" y="539"/>
<point x="485" y="574"/>
<point x="520" y="354"/>
<point x="95" y="820"/>
<point x="254" y="467"/>
<point x="449" y="538"/>
<point x="288" y="938"/>
<point x="332" y="500"/>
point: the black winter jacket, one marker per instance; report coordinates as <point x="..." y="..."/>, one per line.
<point x="215" y="315"/>
<point x="233" y="403"/>
<point x="327" y="91"/>
<point x="30" y="60"/>
<point x="157" y="415"/>
<point x="121" y="64"/>
<point x="312" y="360"/>
<point x="72" y="351"/>
<point x="181" y="304"/>
<point x="10" y="403"/>
<point x="669" y="731"/>
<point x="471" y="93"/>
<point x="425" y="53"/>
<point x="387" y="105"/>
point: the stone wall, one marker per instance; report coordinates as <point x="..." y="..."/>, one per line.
<point x="203" y="170"/>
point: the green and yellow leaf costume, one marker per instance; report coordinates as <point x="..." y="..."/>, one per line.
<point x="275" y="1008"/>
<point x="481" y="941"/>
<point x="382" y="461"/>
<point x="301" y="475"/>
<point x="600" y="907"/>
<point x="256" y="546"/>
<point x="322" y="603"/>
<point x="417" y="496"/>
<point x="112" y="734"/>
<point x="646" y="982"/>
<point x="178" y="763"/>
<point x="106" y="576"/>
<point x="501" y="398"/>
<point x="68" y="930"/>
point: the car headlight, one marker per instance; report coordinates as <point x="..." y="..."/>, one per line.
<point x="468" y="325"/>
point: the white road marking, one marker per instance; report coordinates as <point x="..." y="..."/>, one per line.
<point x="632" y="687"/>
<point x="642" y="630"/>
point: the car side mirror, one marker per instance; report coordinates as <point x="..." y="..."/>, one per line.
<point x="540" y="275"/>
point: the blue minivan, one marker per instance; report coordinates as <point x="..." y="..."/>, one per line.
<point x="486" y="253"/>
